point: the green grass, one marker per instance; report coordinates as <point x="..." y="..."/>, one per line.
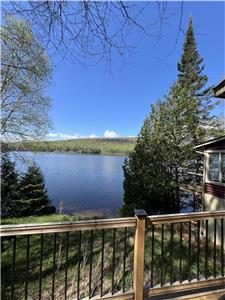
<point x="39" y="219"/>
<point x="49" y="218"/>
<point x="115" y="146"/>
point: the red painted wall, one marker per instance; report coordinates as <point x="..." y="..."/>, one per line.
<point x="215" y="190"/>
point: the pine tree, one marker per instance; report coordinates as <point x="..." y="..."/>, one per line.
<point x="34" y="199"/>
<point x="190" y="66"/>
<point x="9" y="186"/>
<point x="148" y="182"/>
<point x="202" y="124"/>
<point x="164" y="152"/>
<point x="192" y="81"/>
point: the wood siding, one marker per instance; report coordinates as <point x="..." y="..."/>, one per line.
<point x="215" y="190"/>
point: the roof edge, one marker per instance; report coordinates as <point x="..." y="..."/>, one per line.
<point x="210" y="142"/>
<point x="221" y="83"/>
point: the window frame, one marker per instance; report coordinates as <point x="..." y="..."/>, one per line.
<point x="220" y="152"/>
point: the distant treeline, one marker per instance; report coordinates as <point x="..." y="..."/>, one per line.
<point x="93" y="146"/>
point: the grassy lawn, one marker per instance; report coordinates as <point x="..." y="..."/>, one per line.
<point x="121" y="146"/>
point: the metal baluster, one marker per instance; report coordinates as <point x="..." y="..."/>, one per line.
<point x="113" y="261"/>
<point x="124" y="257"/>
<point x="171" y="253"/>
<point x="53" y="271"/>
<point x="90" y="269"/>
<point x="102" y="264"/>
<point x="40" y="267"/>
<point x="222" y="248"/>
<point x="13" y="268"/>
<point x="152" y="258"/>
<point x="67" y="250"/>
<point x="181" y="251"/>
<point x="198" y="248"/>
<point x="214" y="250"/>
<point x="78" y="270"/>
<point x="27" y="265"/>
<point x="189" y="253"/>
<point x="206" y="249"/>
<point x="162" y="255"/>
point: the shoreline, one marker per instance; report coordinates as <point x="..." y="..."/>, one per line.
<point x="74" y="152"/>
<point x="98" y="146"/>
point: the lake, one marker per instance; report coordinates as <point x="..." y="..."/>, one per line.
<point x="83" y="183"/>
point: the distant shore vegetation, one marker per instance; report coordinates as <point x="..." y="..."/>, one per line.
<point x="116" y="146"/>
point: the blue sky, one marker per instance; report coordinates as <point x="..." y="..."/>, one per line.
<point x="91" y="102"/>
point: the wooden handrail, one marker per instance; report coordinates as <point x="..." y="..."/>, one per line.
<point x="185" y="217"/>
<point x="51" y="227"/>
<point x="24" y="229"/>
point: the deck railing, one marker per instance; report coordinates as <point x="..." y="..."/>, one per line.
<point x="67" y="260"/>
<point x="121" y="258"/>
<point x="184" y="251"/>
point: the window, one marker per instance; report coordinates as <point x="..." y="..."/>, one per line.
<point x="216" y="167"/>
<point x="223" y="167"/>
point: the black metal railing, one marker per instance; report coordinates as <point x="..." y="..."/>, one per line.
<point x="68" y="265"/>
<point x="183" y="251"/>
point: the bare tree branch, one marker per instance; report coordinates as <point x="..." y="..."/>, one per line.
<point x="87" y="31"/>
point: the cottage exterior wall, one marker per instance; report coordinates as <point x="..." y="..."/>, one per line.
<point x="212" y="203"/>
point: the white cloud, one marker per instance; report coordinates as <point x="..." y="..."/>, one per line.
<point x="92" y="136"/>
<point x="63" y="136"/>
<point x="53" y="134"/>
<point x="110" y="134"/>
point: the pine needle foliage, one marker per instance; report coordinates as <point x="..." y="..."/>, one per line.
<point x="24" y="195"/>
<point x="34" y="199"/>
<point x="9" y="186"/>
<point x="164" y="152"/>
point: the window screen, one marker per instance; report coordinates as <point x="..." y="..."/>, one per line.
<point x="214" y="166"/>
<point x="223" y="167"/>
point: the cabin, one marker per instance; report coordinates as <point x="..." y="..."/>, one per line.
<point x="213" y="191"/>
<point x="213" y="194"/>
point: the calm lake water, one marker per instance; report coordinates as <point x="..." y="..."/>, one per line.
<point x="84" y="183"/>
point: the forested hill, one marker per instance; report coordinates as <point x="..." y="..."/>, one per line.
<point x="89" y="145"/>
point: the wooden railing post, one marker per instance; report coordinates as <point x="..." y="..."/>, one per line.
<point x="139" y="246"/>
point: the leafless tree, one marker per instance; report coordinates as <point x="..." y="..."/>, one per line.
<point x="88" y="31"/>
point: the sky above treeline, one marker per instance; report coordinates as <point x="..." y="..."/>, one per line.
<point x="92" y="102"/>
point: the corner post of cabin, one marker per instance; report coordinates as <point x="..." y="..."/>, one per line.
<point x="139" y="247"/>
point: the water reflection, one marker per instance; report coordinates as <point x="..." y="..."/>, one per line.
<point x="83" y="182"/>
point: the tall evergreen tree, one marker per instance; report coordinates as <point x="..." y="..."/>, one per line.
<point x="190" y="66"/>
<point x="34" y="199"/>
<point x="192" y="81"/>
<point x="202" y="123"/>
<point x="147" y="177"/>
<point x="9" y="186"/>
<point x="164" y="152"/>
